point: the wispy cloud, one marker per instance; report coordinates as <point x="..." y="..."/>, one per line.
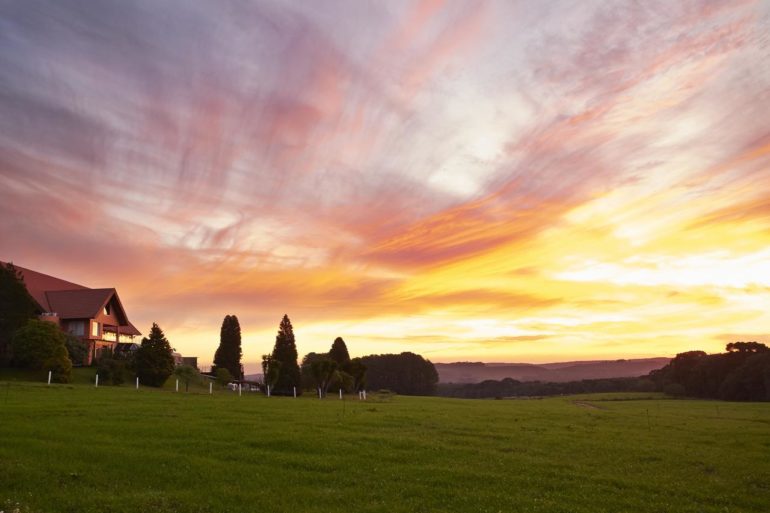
<point x="485" y="180"/>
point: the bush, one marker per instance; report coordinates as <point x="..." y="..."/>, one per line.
<point x="39" y="345"/>
<point x="77" y="349"/>
<point x="60" y="366"/>
<point x="112" y="370"/>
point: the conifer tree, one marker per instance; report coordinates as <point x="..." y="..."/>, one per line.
<point x="228" y="354"/>
<point x="285" y="353"/>
<point x="339" y="352"/>
<point x="153" y="360"/>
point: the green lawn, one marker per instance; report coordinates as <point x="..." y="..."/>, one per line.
<point x="76" y="448"/>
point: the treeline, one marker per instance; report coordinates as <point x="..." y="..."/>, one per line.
<point x="510" y="387"/>
<point x="406" y="373"/>
<point x="742" y="373"/>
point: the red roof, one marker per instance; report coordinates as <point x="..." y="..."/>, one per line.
<point x="70" y="300"/>
<point x="78" y="303"/>
<point x="38" y="284"/>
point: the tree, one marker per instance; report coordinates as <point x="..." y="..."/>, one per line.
<point x="406" y="373"/>
<point x="271" y="370"/>
<point x="111" y="369"/>
<point x="746" y="347"/>
<point x="77" y="349"/>
<point x="285" y="353"/>
<point x="228" y="354"/>
<point x="223" y="376"/>
<point x="187" y="374"/>
<point x="154" y="361"/>
<point x="323" y="371"/>
<point x="339" y="352"/>
<point x="357" y="371"/>
<point x="39" y="345"/>
<point x="16" y="308"/>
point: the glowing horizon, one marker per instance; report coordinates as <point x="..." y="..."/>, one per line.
<point x="486" y="181"/>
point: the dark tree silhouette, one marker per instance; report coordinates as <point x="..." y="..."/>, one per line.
<point x="285" y="353"/>
<point x="271" y="370"/>
<point x="228" y="354"/>
<point x="324" y="370"/>
<point x="16" y="308"/>
<point x="153" y="360"/>
<point x="406" y="373"/>
<point x="339" y="352"/>
<point x="742" y="373"/>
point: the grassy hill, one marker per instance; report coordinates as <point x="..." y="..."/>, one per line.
<point x="80" y="449"/>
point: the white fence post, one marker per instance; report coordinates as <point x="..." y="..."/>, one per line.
<point x="49" y="377"/>
<point x="319" y="392"/>
<point x="239" y="389"/>
<point x="177" y="385"/>
<point x="96" y="383"/>
<point x="211" y="388"/>
<point x="137" y="382"/>
<point x="295" y="392"/>
<point x="364" y="395"/>
<point x="340" y="393"/>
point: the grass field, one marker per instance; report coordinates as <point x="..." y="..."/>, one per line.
<point x="79" y="449"/>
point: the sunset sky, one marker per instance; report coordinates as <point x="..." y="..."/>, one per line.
<point x="489" y="181"/>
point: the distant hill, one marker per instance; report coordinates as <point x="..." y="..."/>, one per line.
<point x="475" y="372"/>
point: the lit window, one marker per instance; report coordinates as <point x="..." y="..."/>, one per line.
<point x="94" y="329"/>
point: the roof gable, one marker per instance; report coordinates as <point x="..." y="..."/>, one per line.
<point x="78" y="304"/>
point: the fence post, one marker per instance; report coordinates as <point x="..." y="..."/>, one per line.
<point x="295" y="392"/>
<point x="49" y="377"/>
<point x="96" y="383"/>
<point x="211" y="388"/>
<point x="177" y="385"/>
<point x="239" y="389"/>
<point x="137" y="382"/>
<point x="340" y="393"/>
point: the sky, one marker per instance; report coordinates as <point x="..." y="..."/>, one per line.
<point x="501" y="181"/>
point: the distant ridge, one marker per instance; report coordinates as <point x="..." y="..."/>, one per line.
<point x="475" y="372"/>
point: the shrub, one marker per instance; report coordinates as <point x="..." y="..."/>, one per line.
<point x="39" y="345"/>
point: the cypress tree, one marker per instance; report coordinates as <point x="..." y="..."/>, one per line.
<point x="153" y="360"/>
<point x="285" y="353"/>
<point x="339" y="352"/>
<point x="228" y="354"/>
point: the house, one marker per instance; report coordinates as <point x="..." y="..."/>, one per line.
<point x="96" y="316"/>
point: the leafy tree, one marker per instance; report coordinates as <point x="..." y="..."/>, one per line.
<point x="16" y="308"/>
<point x="306" y="375"/>
<point x="111" y="369"/>
<point x="154" y="361"/>
<point x="228" y="354"/>
<point x="406" y="373"/>
<point x="223" y="376"/>
<point x="187" y="374"/>
<point x="39" y="345"/>
<point x="746" y="347"/>
<point x="77" y="349"/>
<point x="271" y="371"/>
<point x="357" y="371"/>
<point x="339" y="352"/>
<point x="285" y="353"/>
<point x="323" y="371"/>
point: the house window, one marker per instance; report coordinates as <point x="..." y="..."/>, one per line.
<point x="94" y="329"/>
<point x="107" y="309"/>
<point x="76" y="328"/>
